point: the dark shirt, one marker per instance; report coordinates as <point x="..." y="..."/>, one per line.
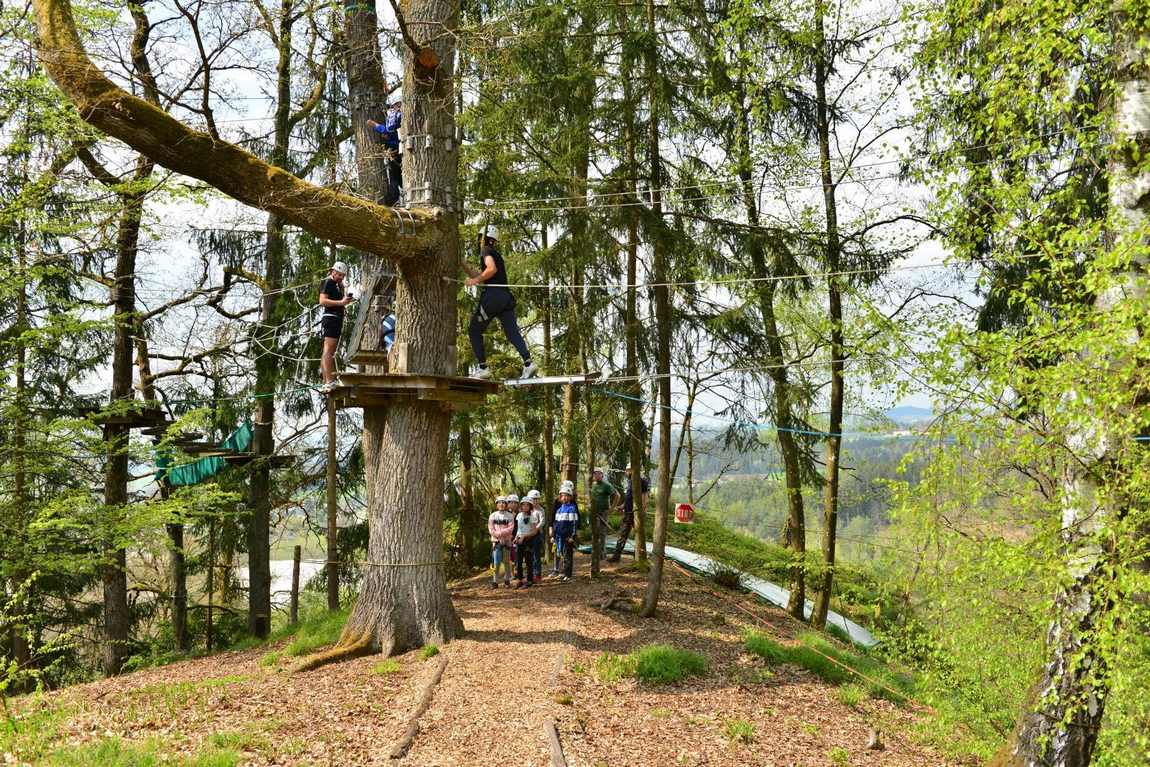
<point x="334" y="291"/>
<point x="498" y="281"/>
<point x="629" y="500"/>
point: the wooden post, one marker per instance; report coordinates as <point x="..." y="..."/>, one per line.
<point x="295" y="557"/>
<point x="332" y="529"/>
<point x="211" y="578"/>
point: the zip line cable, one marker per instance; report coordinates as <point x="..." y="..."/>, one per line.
<point x="719" y="281"/>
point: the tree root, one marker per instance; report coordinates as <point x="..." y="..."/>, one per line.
<point x="404" y="743"/>
<point x="347" y="648"/>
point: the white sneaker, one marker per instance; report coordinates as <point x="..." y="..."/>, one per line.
<point x="482" y="373"/>
<point x="529" y="370"/>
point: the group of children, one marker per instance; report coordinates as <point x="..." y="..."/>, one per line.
<point x="518" y="527"/>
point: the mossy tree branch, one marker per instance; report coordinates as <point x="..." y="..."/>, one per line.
<point x="326" y="213"/>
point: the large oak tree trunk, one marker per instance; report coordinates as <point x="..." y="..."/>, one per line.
<point x="404" y="601"/>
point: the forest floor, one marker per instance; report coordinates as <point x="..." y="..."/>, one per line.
<point x="527" y="657"/>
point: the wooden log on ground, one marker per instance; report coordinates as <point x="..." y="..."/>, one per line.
<point x="552" y="734"/>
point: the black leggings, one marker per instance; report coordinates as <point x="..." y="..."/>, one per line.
<point x="495" y="302"/>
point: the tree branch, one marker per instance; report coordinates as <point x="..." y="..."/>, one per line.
<point x="342" y="218"/>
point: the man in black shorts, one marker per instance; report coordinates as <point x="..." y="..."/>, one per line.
<point x="495" y="300"/>
<point x="333" y="301"/>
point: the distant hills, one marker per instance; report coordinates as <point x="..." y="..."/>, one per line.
<point x="907" y="415"/>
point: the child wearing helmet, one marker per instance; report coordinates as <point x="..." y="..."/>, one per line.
<point x="525" y="534"/>
<point x="566" y="528"/>
<point x="501" y="527"/>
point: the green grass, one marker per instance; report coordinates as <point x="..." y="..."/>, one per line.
<point x="852" y="695"/>
<point x="385" y="667"/>
<point x="114" y="752"/>
<point x="317" y="632"/>
<point x="739" y="731"/>
<point x="839" y="756"/>
<point x="833" y="664"/>
<point x="428" y="651"/>
<point x="653" y="664"/>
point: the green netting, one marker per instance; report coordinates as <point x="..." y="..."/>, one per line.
<point x="202" y="469"/>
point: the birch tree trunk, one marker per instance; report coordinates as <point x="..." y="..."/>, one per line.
<point x="1060" y="726"/>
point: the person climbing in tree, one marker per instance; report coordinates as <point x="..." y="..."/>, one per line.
<point x="501" y="528"/>
<point x="525" y="533"/>
<point x="629" y="511"/>
<point x="540" y="517"/>
<point x="604" y="498"/>
<point x="333" y="301"/>
<point x="389" y="130"/>
<point x="566" y="527"/>
<point x="495" y="300"/>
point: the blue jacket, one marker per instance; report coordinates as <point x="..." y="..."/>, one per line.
<point x="390" y="129"/>
<point x="565" y="520"/>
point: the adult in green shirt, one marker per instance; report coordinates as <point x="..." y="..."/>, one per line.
<point x="604" y="497"/>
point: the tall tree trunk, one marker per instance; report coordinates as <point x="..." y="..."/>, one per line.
<point x="835" y="307"/>
<point x="1060" y="726"/>
<point x="635" y="430"/>
<point x="268" y="363"/>
<point x="662" y="323"/>
<point x="776" y="359"/>
<point x="21" y="652"/>
<point x="589" y="451"/>
<point x="404" y="602"/>
<point x="548" y="406"/>
<point x="125" y="326"/>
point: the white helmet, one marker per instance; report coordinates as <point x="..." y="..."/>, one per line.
<point x="567" y="487"/>
<point x="493" y="231"/>
<point x="339" y="266"/>
<point x="534" y="495"/>
<point x="501" y="499"/>
<point x="513" y="498"/>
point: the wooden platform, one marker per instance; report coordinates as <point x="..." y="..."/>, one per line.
<point x="134" y="419"/>
<point x="452" y="392"/>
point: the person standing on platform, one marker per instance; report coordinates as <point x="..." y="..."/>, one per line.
<point x="604" y="497"/>
<point x="389" y="131"/>
<point x="333" y="301"/>
<point x="630" y="510"/>
<point x="495" y="301"/>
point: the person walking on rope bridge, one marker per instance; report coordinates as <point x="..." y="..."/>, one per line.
<point x="333" y="301"/>
<point x="629" y="511"/>
<point x="501" y="528"/>
<point x="495" y="301"/>
<point x="539" y="515"/>
<point x="389" y="131"/>
<point x="525" y="533"/>
<point x="604" y="497"/>
<point x="566" y="527"/>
